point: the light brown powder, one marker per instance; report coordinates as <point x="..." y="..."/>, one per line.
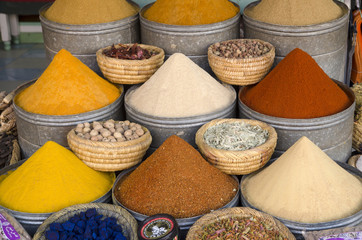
<point x="304" y="185"/>
<point x="295" y="12"/>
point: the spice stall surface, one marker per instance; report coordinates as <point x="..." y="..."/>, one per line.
<point x="174" y="177"/>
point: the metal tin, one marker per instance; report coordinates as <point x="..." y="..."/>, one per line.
<point x="161" y="127"/>
<point x="332" y="134"/>
<point x="160" y="227"/>
<point x="34" y="130"/>
<point x="31" y="221"/>
<point x="184" y="223"/>
<point x="191" y="40"/>
<point x="298" y="228"/>
<point x="325" y="42"/>
<point x="83" y="41"/>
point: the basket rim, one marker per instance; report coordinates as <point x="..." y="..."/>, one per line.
<point x="241" y="60"/>
<point x="161" y="53"/>
<point x="238" y="212"/>
<point x="271" y="141"/>
<point x="72" y="210"/>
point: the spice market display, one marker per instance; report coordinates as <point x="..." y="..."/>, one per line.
<point x="108" y="175"/>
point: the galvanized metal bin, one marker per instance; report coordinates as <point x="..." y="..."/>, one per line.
<point x="333" y="134"/>
<point x="31" y="221"/>
<point x="34" y="130"/>
<point x="161" y="127"/>
<point x="83" y="41"/>
<point x="191" y="40"/>
<point x="298" y="228"/>
<point x="184" y="223"/>
<point x="325" y="42"/>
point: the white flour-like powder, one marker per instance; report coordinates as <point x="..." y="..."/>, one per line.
<point x="180" y="88"/>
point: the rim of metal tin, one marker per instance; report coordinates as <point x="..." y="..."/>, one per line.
<point x="78" y="28"/>
<point x="31" y="216"/>
<point x="183" y="223"/>
<point x="304" y="30"/>
<point x="63" y="120"/>
<point x="188" y="29"/>
<point x="299" y="228"/>
<point x="161" y="121"/>
<point x="310" y="123"/>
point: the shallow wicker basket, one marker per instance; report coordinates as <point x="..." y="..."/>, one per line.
<point x="125" y="71"/>
<point x="215" y="216"/>
<point x="124" y="218"/>
<point x="237" y="162"/>
<point x="243" y="71"/>
<point x="110" y="156"/>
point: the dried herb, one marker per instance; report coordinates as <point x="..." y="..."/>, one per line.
<point x="243" y="228"/>
<point x="237" y="136"/>
<point x="133" y="52"/>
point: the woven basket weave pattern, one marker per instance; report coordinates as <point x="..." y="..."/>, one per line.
<point x="218" y="215"/>
<point x="110" y="156"/>
<point x="237" y="162"/>
<point x="123" y="71"/>
<point x="124" y="218"/>
<point x="241" y="71"/>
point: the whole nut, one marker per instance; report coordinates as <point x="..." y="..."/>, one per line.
<point x="93" y="133"/>
<point x="140" y="132"/>
<point x="128" y="133"/>
<point x="106" y="133"/>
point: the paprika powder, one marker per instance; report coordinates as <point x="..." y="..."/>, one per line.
<point x="175" y="180"/>
<point x="296" y="88"/>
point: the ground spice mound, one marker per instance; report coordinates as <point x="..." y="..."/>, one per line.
<point x="304" y="185"/>
<point x="51" y="179"/>
<point x="66" y="87"/>
<point x="176" y="180"/>
<point x="191" y="12"/>
<point x="89" y="11"/>
<point x="296" y="88"/>
<point x="295" y="12"/>
<point x="180" y="88"/>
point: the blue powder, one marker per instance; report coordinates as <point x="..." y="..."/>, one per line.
<point x="86" y="225"/>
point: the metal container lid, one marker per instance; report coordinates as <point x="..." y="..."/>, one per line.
<point x="159" y="226"/>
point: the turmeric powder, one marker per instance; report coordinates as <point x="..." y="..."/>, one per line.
<point x="51" y="179"/>
<point x="191" y="12"/>
<point x="89" y="11"/>
<point x="67" y="86"/>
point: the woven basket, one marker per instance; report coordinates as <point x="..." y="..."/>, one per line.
<point x="237" y="162"/>
<point x="110" y="156"/>
<point x="244" y="71"/>
<point x="197" y="227"/>
<point x="123" y="71"/>
<point x="357" y="135"/>
<point x="124" y="218"/>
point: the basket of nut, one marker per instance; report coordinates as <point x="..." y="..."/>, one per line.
<point x="110" y="145"/>
<point x="129" y="63"/>
<point x="241" y="61"/>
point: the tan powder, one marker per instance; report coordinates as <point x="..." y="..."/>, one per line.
<point x="89" y="11"/>
<point x="304" y="185"/>
<point x="295" y="12"/>
<point x="180" y="88"/>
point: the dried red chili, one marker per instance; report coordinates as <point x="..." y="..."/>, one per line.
<point x="176" y="180"/>
<point x="134" y="52"/>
